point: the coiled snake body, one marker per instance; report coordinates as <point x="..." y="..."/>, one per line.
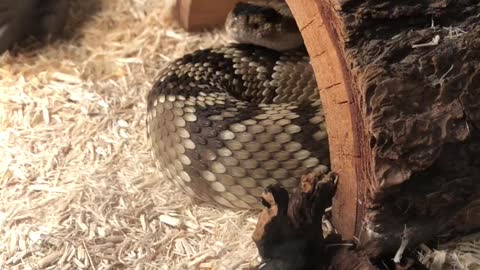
<point x="226" y="122"/>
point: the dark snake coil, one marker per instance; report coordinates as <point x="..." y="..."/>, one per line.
<point x="226" y="122"/>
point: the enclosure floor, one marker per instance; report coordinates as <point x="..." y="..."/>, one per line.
<point x="78" y="186"/>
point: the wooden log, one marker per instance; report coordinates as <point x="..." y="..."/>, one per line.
<point x="400" y="85"/>
<point x="196" y="15"/>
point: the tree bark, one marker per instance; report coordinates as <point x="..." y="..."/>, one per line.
<point x="400" y="85"/>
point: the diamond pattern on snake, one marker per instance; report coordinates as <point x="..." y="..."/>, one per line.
<point x="226" y="122"/>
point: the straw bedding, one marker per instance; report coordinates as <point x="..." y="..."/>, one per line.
<point x="78" y="187"/>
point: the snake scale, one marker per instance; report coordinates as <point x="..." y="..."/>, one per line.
<point x="226" y="122"/>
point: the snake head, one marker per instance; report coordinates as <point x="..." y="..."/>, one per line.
<point x="270" y="26"/>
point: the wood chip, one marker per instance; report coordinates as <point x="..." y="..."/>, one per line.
<point x="169" y="220"/>
<point x="66" y="78"/>
<point x="49" y="259"/>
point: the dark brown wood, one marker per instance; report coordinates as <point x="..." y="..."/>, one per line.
<point x="288" y="234"/>
<point x="402" y="105"/>
<point x="352" y="260"/>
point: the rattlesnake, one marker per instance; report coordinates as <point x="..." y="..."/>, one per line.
<point x="226" y="122"/>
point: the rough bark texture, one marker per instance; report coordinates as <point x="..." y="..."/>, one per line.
<point x="403" y="119"/>
<point x="288" y="234"/>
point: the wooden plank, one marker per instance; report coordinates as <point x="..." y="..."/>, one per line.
<point x="195" y="15"/>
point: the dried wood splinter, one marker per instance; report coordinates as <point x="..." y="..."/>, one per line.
<point x="288" y="233"/>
